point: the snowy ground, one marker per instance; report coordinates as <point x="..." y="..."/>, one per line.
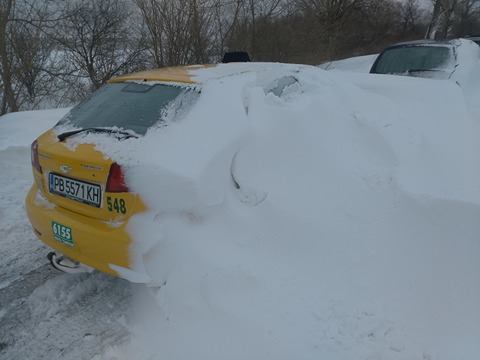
<point x="355" y="233"/>
<point x="45" y="314"/>
<point x="361" y="64"/>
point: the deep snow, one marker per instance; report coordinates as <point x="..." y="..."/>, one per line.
<point x="45" y="314"/>
<point x="21" y="128"/>
<point x="353" y="235"/>
<point x="361" y="64"/>
<point x="17" y="131"/>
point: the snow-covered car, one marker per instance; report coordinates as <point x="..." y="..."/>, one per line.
<point x="80" y="203"/>
<point x="427" y="58"/>
<point x="286" y="206"/>
<point x="475" y="39"/>
<point x="168" y="141"/>
<point x="424" y="58"/>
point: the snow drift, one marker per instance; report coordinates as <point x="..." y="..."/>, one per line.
<point x="21" y="128"/>
<point x="361" y="64"/>
<point x="298" y="214"/>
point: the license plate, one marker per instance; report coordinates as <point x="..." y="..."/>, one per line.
<point x="62" y="233"/>
<point x="77" y="190"/>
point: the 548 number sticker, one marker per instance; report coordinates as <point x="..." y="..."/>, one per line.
<point x="116" y="205"/>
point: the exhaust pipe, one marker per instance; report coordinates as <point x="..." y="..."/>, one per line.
<point x="67" y="265"/>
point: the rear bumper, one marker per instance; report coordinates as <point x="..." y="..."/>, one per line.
<point x="96" y="243"/>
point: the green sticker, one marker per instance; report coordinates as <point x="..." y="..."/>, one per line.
<point x="62" y="233"/>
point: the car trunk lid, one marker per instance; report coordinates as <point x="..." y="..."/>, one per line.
<point x="76" y="179"/>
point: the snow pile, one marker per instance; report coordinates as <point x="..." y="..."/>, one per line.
<point x="21" y="128"/>
<point x="293" y="214"/>
<point x="42" y="310"/>
<point x="428" y="125"/>
<point x="361" y="64"/>
<point x="467" y="73"/>
<point x="21" y="250"/>
<point x="467" y="55"/>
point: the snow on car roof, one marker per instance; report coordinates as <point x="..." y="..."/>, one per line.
<point x="176" y="74"/>
<point x="424" y="42"/>
<point x="195" y="74"/>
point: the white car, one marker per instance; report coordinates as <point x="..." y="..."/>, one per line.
<point x="429" y="59"/>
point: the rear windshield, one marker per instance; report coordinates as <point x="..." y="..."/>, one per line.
<point x="129" y="106"/>
<point x="406" y="59"/>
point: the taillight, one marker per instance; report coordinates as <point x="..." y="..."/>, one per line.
<point x="34" y="155"/>
<point x="116" y="179"/>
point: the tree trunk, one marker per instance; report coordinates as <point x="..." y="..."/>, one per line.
<point x="446" y="19"/>
<point x="433" y="26"/>
<point x="253" y="29"/>
<point x="9" y="94"/>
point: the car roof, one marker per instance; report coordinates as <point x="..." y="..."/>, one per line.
<point x="195" y="74"/>
<point x="422" y="42"/>
<point x="474" y="38"/>
<point x="178" y="74"/>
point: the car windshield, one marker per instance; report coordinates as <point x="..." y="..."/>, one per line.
<point x="405" y="59"/>
<point x="129" y="106"/>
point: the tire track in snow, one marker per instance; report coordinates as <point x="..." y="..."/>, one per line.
<point x="45" y="314"/>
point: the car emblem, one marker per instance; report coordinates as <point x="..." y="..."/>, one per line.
<point x="65" y="169"/>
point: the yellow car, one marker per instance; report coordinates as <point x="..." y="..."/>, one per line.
<point x="79" y="204"/>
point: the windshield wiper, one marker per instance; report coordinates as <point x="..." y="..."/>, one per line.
<point x="67" y="134"/>
<point x="412" y="71"/>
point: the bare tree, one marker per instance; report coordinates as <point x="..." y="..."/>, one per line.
<point x="225" y="18"/>
<point x="95" y="38"/>
<point x="57" y="51"/>
<point x="466" y="18"/>
<point x="8" y="97"/>
<point x="168" y="24"/>
<point x="182" y="31"/>
<point x="24" y="53"/>
<point x="252" y="26"/>
<point x="411" y="15"/>
<point x="331" y="16"/>
<point x="441" y="22"/>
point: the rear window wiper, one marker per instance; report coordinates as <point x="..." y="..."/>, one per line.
<point x="413" y="71"/>
<point x="124" y="134"/>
